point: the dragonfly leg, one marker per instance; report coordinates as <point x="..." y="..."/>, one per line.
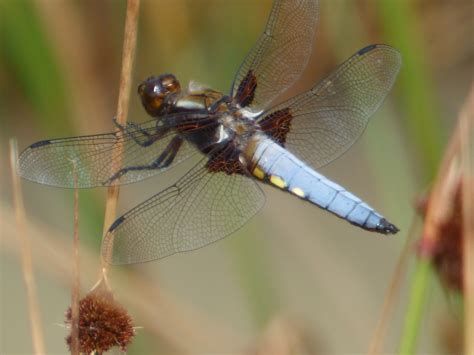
<point x="131" y="129"/>
<point x="163" y="161"/>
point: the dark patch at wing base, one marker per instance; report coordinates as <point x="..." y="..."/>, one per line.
<point x="277" y="124"/>
<point x="280" y="55"/>
<point x="246" y="91"/>
<point x="226" y="160"/>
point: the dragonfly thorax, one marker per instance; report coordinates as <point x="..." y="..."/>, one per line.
<point x="240" y="126"/>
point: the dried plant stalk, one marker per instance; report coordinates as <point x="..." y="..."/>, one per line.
<point x="75" y="273"/>
<point x="128" y="54"/>
<point x="466" y="133"/>
<point x="27" y="265"/>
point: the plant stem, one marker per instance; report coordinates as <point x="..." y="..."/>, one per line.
<point x="414" y="313"/>
<point x="27" y="264"/>
<point x="75" y="290"/>
<point x="128" y="55"/>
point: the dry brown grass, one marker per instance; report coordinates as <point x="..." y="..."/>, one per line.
<point x="25" y="248"/>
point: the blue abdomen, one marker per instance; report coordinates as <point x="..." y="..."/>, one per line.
<point x="279" y="167"/>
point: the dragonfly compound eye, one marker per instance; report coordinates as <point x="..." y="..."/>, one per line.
<point x="170" y="83"/>
<point x="154" y="90"/>
<point x="152" y="94"/>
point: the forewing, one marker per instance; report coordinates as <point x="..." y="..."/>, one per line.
<point x="205" y="205"/>
<point x="280" y="54"/>
<point x="321" y="124"/>
<point x="97" y="158"/>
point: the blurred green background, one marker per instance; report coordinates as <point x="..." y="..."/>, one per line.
<point x="294" y="273"/>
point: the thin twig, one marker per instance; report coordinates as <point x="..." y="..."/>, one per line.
<point x="389" y="300"/>
<point x="466" y="132"/>
<point x="27" y="264"/>
<point x="128" y="54"/>
<point x="75" y="273"/>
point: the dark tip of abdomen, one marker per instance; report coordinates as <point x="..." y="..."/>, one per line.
<point x="386" y="227"/>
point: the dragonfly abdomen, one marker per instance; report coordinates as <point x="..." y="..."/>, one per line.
<point x="278" y="167"/>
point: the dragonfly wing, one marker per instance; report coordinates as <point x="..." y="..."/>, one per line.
<point x="99" y="157"/>
<point x="321" y="124"/>
<point x="205" y="205"/>
<point x="280" y="54"/>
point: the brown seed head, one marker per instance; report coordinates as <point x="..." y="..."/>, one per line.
<point x="103" y="323"/>
<point x="446" y="252"/>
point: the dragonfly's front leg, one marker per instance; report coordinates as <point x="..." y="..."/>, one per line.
<point x="131" y="129"/>
<point x="163" y="161"/>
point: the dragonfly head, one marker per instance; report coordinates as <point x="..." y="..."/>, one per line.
<point x="154" y="90"/>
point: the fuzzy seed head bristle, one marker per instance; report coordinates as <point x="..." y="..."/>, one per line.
<point x="446" y="253"/>
<point x="103" y="323"/>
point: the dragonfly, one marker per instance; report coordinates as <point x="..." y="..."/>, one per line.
<point x="240" y="139"/>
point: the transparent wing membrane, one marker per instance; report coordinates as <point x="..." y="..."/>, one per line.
<point x="201" y="208"/>
<point x="99" y="158"/>
<point x="280" y="54"/>
<point x="321" y="124"/>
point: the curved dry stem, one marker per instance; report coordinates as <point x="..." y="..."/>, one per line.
<point x="128" y="55"/>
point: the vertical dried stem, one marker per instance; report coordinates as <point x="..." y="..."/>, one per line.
<point x="466" y="131"/>
<point x="128" y="54"/>
<point x="75" y="273"/>
<point x="27" y="265"/>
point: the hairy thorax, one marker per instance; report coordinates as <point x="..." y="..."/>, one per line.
<point x="226" y="124"/>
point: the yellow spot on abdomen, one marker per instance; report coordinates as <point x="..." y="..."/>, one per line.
<point x="258" y="173"/>
<point x="298" y="192"/>
<point x="278" y="181"/>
